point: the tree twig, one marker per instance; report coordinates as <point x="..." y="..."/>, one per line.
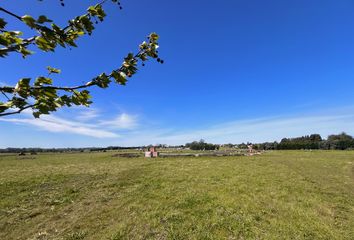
<point x="10" y="13"/>
<point x="12" y="48"/>
<point x="5" y="95"/>
<point x="16" y="112"/>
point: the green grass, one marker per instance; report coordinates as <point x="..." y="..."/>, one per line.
<point x="278" y="195"/>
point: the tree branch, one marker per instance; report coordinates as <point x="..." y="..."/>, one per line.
<point x="48" y="99"/>
<point x="12" y="89"/>
<point x="41" y="29"/>
<point x="11" y="14"/>
<point x="86" y="85"/>
<point x="3" y="93"/>
<point x="16" y="47"/>
<point x="16" y="112"/>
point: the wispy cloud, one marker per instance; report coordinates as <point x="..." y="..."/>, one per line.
<point x="56" y="124"/>
<point x="3" y="84"/>
<point x="124" y="129"/>
<point x="254" y="130"/>
<point x="122" y="121"/>
<point x="96" y="127"/>
<point x="87" y="114"/>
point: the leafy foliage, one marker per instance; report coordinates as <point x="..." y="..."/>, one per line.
<point x="202" y="145"/>
<point x="41" y="95"/>
<point x="340" y="141"/>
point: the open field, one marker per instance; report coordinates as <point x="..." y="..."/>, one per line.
<point x="277" y="195"/>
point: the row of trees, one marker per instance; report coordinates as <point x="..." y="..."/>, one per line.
<point x="201" y="145"/>
<point x="340" y="141"/>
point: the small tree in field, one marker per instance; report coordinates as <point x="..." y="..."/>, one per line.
<point x="41" y="95"/>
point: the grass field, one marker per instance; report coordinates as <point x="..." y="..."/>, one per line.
<point x="277" y="195"/>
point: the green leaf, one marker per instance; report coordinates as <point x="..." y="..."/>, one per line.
<point x="87" y="24"/>
<point x="18" y="102"/>
<point x="100" y="13"/>
<point x="97" y="11"/>
<point x="30" y="21"/>
<point x="56" y="28"/>
<point x="153" y="37"/>
<point x="4" y="107"/>
<point x="8" y="38"/>
<point x="53" y="70"/>
<point x="102" y="81"/>
<point x="24" y="51"/>
<point x="42" y="19"/>
<point x="51" y="93"/>
<point x="2" y="23"/>
<point x="43" y="80"/>
<point x="119" y="77"/>
<point x="36" y="114"/>
<point x="22" y="87"/>
<point x="44" y="44"/>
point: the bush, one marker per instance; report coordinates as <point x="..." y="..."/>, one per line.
<point x="202" y="145"/>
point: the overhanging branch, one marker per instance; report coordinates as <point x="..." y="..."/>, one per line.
<point x="16" y="112"/>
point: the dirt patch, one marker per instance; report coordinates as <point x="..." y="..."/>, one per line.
<point x="127" y="155"/>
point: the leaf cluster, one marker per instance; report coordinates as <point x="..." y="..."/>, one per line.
<point x="40" y="94"/>
<point x="48" y="34"/>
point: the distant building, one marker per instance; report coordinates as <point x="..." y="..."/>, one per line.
<point x="250" y="149"/>
<point x="151" y="153"/>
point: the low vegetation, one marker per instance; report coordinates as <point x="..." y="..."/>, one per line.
<point x="277" y="195"/>
<point x="340" y="141"/>
<point x="202" y="145"/>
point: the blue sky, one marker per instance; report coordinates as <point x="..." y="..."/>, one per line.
<point x="234" y="71"/>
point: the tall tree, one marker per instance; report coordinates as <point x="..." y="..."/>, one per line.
<point x="42" y="96"/>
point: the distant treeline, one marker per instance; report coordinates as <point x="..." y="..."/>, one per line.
<point x="202" y="145"/>
<point x="85" y="149"/>
<point x="341" y="141"/>
<point x="44" y="150"/>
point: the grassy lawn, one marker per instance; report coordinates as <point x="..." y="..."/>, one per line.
<point x="278" y="195"/>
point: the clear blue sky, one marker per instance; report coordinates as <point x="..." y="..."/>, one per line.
<point x="234" y="71"/>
